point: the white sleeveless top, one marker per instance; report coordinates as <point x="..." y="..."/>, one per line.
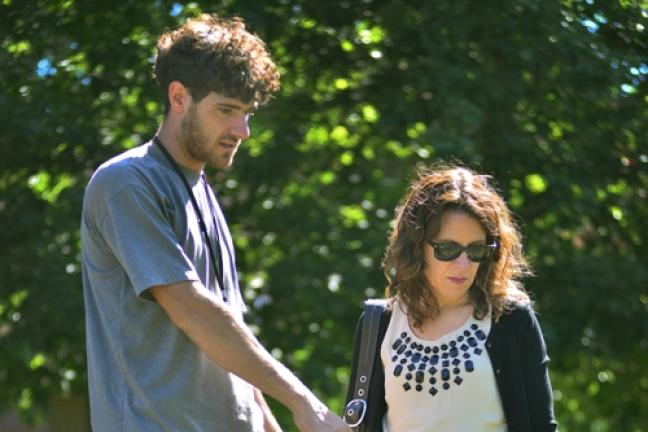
<point x="445" y="384"/>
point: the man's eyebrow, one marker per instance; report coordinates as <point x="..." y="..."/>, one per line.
<point x="228" y="105"/>
<point x="234" y="106"/>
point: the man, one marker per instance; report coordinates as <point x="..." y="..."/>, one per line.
<point x="167" y="347"/>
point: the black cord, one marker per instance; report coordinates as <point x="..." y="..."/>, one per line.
<point x="203" y="227"/>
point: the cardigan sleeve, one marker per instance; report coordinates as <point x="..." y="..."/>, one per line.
<point x="535" y="362"/>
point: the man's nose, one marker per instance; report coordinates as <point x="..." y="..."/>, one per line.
<point x="241" y="128"/>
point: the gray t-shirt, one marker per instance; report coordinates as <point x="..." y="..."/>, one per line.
<point x="139" y="230"/>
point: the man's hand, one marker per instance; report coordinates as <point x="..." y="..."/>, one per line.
<point x="314" y="416"/>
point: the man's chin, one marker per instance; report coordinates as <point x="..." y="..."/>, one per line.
<point x="221" y="164"/>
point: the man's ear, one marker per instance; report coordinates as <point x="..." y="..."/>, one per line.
<point x="179" y="97"/>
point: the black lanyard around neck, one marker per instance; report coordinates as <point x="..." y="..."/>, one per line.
<point x="201" y="221"/>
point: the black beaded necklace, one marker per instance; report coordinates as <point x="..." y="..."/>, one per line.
<point x="218" y="265"/>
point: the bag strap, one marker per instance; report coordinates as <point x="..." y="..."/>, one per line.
<point x="356" y="409"/>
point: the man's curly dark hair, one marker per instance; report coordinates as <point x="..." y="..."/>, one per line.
<point x="213" y="54"/>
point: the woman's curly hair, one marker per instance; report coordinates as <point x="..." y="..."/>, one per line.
<point x="418" y="218"/>
<point x="210" y="53"/>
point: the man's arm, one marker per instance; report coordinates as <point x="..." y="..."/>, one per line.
<point x="227" y="341"/>
<point x="270" y="423"/>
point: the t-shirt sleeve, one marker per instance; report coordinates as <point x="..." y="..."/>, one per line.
<point x="143" y="241"/>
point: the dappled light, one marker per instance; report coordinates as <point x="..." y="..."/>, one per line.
<point x="550" y="98"/>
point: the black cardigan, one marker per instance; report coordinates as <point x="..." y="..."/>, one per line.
<point x="518" y="354"/>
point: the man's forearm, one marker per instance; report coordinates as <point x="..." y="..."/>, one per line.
<point x="227" y="341"/>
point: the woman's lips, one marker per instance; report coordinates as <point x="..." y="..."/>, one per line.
<point x="458" y="280"/>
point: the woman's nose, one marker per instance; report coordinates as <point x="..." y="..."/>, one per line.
<point x="462" y="260"/>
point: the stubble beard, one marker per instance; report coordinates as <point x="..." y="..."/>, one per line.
<point x="191" y="136"/>
<point x="194" y="142"/>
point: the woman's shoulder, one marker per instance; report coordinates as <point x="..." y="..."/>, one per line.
<point x="518" y="311"/>
<point x="521" y="306"/>
<point x="384" y="306"/>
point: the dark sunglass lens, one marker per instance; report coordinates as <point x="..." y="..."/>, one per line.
<point x="478" y="253"/>
<point x="447" y="251"/>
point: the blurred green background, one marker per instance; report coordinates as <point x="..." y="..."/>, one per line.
<point x="550" y="97"/>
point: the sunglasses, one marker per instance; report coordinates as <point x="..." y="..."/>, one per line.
<point x="450" y="250"/>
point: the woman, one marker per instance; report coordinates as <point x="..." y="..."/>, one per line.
<point x="462" y="349"/>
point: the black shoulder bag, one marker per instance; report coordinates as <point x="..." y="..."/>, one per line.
<point x="356" y="408"/>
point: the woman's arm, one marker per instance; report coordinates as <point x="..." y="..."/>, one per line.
<point x="535" y="367"/>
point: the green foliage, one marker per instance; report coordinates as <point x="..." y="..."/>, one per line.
<point x="549" y="97"/>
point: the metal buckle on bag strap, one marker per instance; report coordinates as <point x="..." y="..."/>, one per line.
<point x="354" y="412"/>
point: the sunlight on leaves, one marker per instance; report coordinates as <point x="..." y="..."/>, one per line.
<point x="327" y="177"/>
<point x="259" y="141"/>
<point x="616" y="212"/>
<point x="369" y="35"/>
<point x="347" y="46"/>
<point x="370" y="113"/>
<point x="398" y="149"/>
<point x="334" y="281"/>
<point x="340" y="134"/>
<point x="18" y="48"/>
<point x="25" y="400"/>
<point x="618" y="188"/>
<point x="37" y="361"/>
<point x="17" y="298"/>
<point x="317" y="136"/>
<point x="535" y="183"/>
<point x="352" y="215"/>
<point x="341" y="84"/>
<point x="307" y="23"/>
<point x="516" y="199"/>
<point x="302" y="355"/>
<point x="416" y="130"/>
<point x="346" y="158"/>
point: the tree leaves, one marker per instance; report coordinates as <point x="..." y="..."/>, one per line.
<point x="550" y="99"/>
